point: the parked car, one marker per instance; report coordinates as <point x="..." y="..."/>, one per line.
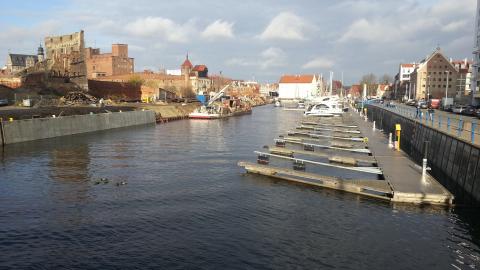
<point x="448" y="108"/>
<point x="434" y="103"/>
<point x="411" y="102"/>
<point x="423" y="104"/>
<point x="3" y="102"/>
<point x="477" y="113"/>
<point x="459" y="108"/>
<point x="470" y="110"/>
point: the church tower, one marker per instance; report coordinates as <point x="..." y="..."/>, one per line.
<point x="40" y="54"/>
<point x="186" y="68"/>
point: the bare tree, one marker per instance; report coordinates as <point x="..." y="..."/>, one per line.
<point x="371" y="81"/>
<point x="386" y="79"/>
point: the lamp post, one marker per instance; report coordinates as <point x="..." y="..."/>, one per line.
<point x="408" y="90"/>
<point x="446" y="88"/>
<point x="428" y="88"/>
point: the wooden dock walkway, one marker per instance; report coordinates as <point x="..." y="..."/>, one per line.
<point x="405" y="177"/>
<point x="401" y="180"/>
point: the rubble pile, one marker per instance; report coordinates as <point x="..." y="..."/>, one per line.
<point x="74" y="98"/>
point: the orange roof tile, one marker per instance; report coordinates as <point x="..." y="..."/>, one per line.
<point x="200" y="68"/>
<point x="187" y="63"/>
<point x="297" y="78"/>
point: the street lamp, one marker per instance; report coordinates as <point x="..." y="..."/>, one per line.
<point x="446" y="88"/>
<point x="428" y="88"/>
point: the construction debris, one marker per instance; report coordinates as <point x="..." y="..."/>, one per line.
<point x="77" y="98"/>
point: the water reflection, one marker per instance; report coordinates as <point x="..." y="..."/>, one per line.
<point x="187" y="205"/>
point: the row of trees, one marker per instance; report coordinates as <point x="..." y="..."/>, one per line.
<point x="372" y="82"/>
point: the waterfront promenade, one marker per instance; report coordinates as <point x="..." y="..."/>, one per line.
<point x="462" y="127"/>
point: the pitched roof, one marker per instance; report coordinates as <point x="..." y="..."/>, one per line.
<point x="297" y="78"/>
<point x="355" y="89"/>
<point x="407" y="65"/>
<point x="20" y="59"/>
<point x="200" y="68"/>
<point x="187" y="63"/>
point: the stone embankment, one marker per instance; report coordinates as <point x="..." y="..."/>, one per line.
<point x="170" y="112"/>
<point x="15" y="131"/>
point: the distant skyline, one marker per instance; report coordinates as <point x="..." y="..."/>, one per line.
<point x="252" y="39"/>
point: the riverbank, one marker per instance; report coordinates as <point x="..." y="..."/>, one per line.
<point x="169" y="112"/>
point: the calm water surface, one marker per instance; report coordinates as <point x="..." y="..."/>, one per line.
<point x="186" y="205"/>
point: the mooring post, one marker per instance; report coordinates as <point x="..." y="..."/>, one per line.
<point x="425" y="155"/>
<point x="398" y="129"/>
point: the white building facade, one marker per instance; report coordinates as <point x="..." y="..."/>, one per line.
<point x="298" y="86"/>
<point x="405" y="70"/>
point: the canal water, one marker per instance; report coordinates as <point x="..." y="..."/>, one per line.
<point x="174" y="198"/>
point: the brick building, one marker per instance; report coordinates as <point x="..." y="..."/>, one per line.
<point x="108" y="64"/>
<point x="66" y="59"/>
<point x="434" y="76"/>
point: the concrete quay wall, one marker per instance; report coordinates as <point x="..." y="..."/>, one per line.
<point x="454" y="162"/>
<point x="43" y="128"/>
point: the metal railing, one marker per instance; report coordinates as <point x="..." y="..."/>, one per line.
<point x="462" y="127"/>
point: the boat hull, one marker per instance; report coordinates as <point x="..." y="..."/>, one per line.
<point x="204" y="116"/>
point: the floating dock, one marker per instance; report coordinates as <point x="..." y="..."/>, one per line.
<point x="345" y="153"/>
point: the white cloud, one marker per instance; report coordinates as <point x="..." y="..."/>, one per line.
<point x="446" y="8"/>
<point x="454" y="26"/>
<point x="272" y="57"/>
<point x="269" y="58"/>
<point x="239" y="62"/>
<point x="218" y="29"/>
<point x="388" y="31"/>
<point x="136" y="48"/>
<point x="319" y="62"/>
<point x="159" y="27"/>
<point x="286" y="25"/>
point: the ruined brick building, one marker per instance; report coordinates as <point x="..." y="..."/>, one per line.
<point x="66" y="58"/>
<point x="108" y="64"/>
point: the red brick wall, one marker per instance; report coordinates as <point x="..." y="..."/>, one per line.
<point x="115" y="90"/>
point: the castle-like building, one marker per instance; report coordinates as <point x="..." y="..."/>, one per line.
<point x="18" y="62"/>
<point x="196" y="77"/>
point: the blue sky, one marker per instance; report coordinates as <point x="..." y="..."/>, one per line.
<point x="246" y="39"/>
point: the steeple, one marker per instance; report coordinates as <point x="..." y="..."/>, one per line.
<point x="40" y="53"/>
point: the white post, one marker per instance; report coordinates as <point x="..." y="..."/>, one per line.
<point x="424" y="167"/>
<point x="390" y="143"/>
<point x="373" y="125"/>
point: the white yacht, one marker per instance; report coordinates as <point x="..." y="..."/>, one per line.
<point x="324" y="109"/>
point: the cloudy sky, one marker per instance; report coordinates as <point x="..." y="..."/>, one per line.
<point x="252" y="38"/>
